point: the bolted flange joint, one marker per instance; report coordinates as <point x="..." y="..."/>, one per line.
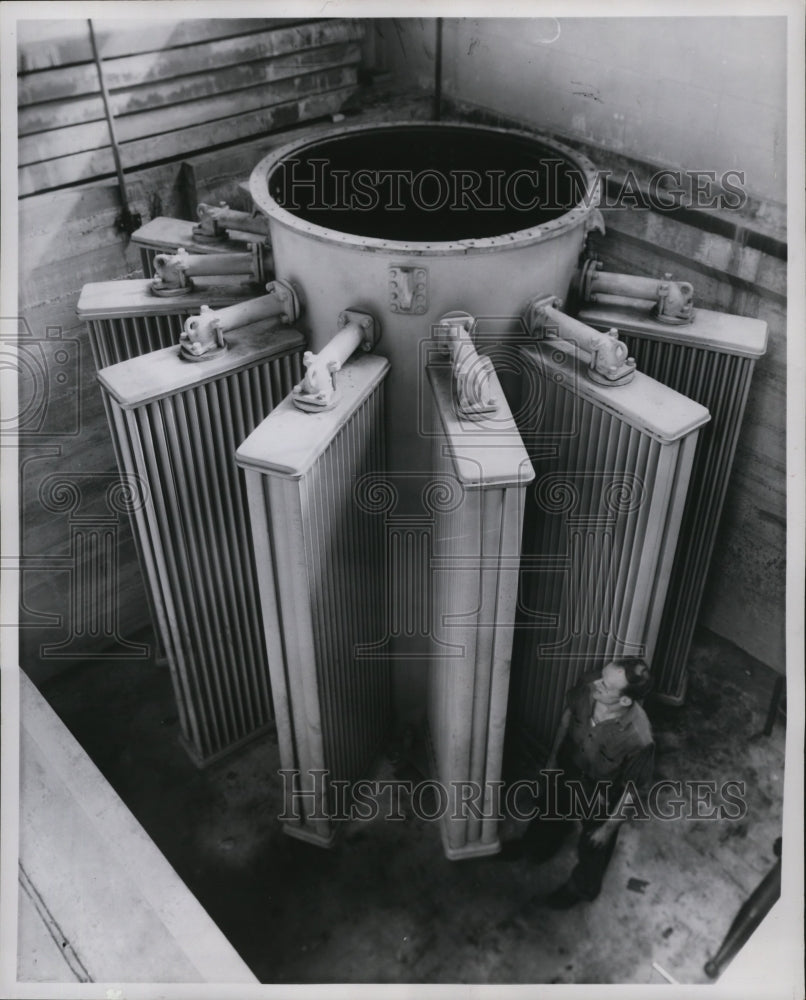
<point x="202" y="336"/>
<point x="675" y="301"/>
<point x="287" y="299"/>
<point x="171" y="274"/>
<point x="365" y="322"/>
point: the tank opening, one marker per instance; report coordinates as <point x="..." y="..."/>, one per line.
<point x="427" y="184"/>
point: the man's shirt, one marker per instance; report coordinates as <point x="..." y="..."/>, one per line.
<point x="615" y="750"/>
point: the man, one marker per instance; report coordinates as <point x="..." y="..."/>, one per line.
<point x="602" y="755"/>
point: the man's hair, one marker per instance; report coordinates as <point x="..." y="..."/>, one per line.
<point x="639" y="680"/>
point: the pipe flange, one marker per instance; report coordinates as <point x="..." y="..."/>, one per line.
<point x="318" y="403"/>
<point x="164" y="291"/>
<point x="617" y="380"/>
<point x="213" y="352"/>
<point x="590" y="268"/>
<point x="287" y="297"/>
<point x="202" y="337"/>
<point x="201" y="236"/>
<point x="370" y="330"/>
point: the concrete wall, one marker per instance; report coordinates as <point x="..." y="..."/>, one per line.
<point x="69" y="612"/>
<point x="690" y="93"/>
<point x="699" y="93"/>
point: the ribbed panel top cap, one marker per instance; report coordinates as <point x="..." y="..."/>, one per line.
<point x="120" y="299"/>
<point x="643" y="403"/>
<point x="714" y="331"/>
<point x="153" y="376"/>
<point x="485" y="452"/>
<point x="290" y="440"/>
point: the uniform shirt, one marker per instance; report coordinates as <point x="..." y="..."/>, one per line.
<point x="615" y="750"/>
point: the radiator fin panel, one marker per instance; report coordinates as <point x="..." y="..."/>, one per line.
<point x="119" y="338"/>
<point x="481" y="471"/>
<point x="721" y="382"/>
<point x="195" y="547"/>
<point x="600" y="528"/>
<point x="322" y="576"/>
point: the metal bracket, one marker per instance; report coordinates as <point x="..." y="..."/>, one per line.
<point x="594" y="222"/>
<point x="408" y="290"/>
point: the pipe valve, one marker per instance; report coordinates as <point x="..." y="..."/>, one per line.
<point x="609" y="365"/>
<point x="318" y="391"/>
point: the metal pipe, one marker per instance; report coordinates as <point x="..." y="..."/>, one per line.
<point x="471" y="370"/>
<point x="673" y="301"/>
<point x="752" y="912"/>
<point x="205" y="335"/>
<point x="174" y="272"/>
<point x="624" y="284"/>
<point x="610" y="364"/>
<point x="317" y="391"/>
<point x="215" y="220"/>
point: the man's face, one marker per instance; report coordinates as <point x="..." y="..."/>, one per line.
<point x="608" y="688"/>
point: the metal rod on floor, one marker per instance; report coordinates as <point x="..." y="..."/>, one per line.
<point x="754" y="910"/>
<point x="664" y="974"/>
<point x="128" y="221"/>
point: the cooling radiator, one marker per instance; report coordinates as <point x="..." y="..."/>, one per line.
<point x="125" y="319"/>
<point x="481" y="471"/>
<point x="314" y="481"/>
<point x="612" y="466"/>
<point x="711" y="360"/>
<point x="176" y="425"/>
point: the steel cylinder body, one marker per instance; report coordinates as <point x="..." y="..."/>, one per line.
<point x="411" y="253"/>
<point x="353" y="261"/>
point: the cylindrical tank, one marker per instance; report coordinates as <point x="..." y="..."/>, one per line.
<point x="492" y="217"/>
<point x="410" y="221"/>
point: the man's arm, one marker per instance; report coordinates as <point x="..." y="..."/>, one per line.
<point x="638" y="771"/>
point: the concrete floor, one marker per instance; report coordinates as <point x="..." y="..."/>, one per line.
<point x="385" y="906"/>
